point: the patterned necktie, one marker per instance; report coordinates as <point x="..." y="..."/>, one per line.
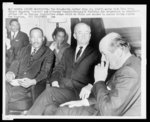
<point x="34" y="51"/>
<point x="78" y="54"/>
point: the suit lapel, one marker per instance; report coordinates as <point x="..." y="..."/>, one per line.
<point x="86" y="52"/>
<point x="39" y="53"/>
<point x="17" y="35"/>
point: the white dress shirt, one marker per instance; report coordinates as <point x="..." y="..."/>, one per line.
<point x="78" y="48"/>
<point x="14" y="34"/>
<point x="32" y="50"/>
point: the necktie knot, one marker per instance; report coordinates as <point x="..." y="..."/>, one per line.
<point x="79" y="52"/>
<point x="13" y="36"/>
<point x="34" y="51"/>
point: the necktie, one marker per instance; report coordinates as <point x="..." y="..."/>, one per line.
<point x="78" y="54"/>
<point x="34" y="51"/>
<point x="13" y="36"/>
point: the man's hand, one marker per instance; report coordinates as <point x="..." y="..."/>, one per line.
<point x="26" y="82"/>
<point x="55" y="84"/>
<point x="101" y="71"/>
<point x="10" y="76"/>
<point x="77" y="103"/>
<point x="85" y="91"/>
<point x="15" y="82"/>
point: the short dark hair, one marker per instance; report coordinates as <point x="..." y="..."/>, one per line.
<point x="13" y="20"/>
<point x="57" y="30"/>
<point x="36" y="28"/>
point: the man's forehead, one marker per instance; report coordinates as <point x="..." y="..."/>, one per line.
<point x="36" y="32"/>
<point x="82" y="27"/>
<point x="14" y="23"/>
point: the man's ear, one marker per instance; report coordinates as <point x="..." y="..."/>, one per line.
<point x="43" y="38"/>
<point x="120" y="52"/>
<point x="74" y="35"/>
<point x="30" y="41"/>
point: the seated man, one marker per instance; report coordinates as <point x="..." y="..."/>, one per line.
<point x="32" y="65"/>
<point x="121" y="95"/>
<point x="72" y="78"/>
<point x="59" y="45"/>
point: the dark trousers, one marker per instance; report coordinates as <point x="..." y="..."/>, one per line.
<point x="15" y="93"/>
<point x="77" y="111"/>
<point x="50" y="99"/>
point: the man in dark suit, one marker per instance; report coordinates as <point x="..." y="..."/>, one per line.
<point x="72" y="78"/>
<point x="121" y="95"/>
<point x="18" y="40"/>
<point x="33" y="64"/>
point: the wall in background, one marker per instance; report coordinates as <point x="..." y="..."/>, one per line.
<point x="43" y="23"/>
<point x="121" y="22"/>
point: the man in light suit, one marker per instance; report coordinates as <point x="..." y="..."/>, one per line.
<point x="18" y="40"/>
<point x="72" y="78"/>
<point x="121" y="95"/>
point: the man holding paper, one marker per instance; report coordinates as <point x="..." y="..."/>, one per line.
<point x="121" y="95"/>
<point x="33" y="64"/>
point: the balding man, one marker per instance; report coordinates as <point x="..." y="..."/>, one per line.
<point x="120" y="96"/>
<point x="71" y="79"/>
<point x="32" y="65"/>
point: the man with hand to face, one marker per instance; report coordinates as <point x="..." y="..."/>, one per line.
<point x="32" y="65"/>
<point x="72" y="78"/>
<point x="121" y="95"/>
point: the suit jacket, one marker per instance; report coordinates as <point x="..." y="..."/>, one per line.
<point x="36" y="67"/>
<point x="123" y="98"/>
<point x="75" y="75"/>
<point x="21" y="40"/>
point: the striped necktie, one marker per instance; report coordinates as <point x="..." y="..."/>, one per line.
<point x="34" y="51"/>
<point x="79" y="52"/>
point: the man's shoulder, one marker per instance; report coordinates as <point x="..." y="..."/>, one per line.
<point x="25" y="48"/>
<point x="133" y="65"/>
<point x="22" y="33"/>
<point x="127" y="72"/>
<point x="48" y="51"/>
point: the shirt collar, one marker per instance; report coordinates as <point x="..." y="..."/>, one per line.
<point x="32" y="49"/>
<point x="78" y="47"/>
<point x="12" y="33"/>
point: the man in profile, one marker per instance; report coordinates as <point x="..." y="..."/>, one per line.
<point x="72" y="78"/>
<point x="121" y="95"/>
<point x="32" y="65"/>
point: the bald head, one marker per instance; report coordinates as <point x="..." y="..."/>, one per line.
<point x="112" y="41"/>
<point x="115" y="49"/>
<point x="82" y="26"/>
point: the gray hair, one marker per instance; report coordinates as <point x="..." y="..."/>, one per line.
<point x="120" y="42"/>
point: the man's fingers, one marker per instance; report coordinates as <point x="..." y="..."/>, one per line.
<point x="71" y="106"/>
<point x="107" y="64"/>
<point x="81" y="94"/>
<point x="86" y="96"/>
<point x="102" y="64"/>
<point x="67" y="103"/>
